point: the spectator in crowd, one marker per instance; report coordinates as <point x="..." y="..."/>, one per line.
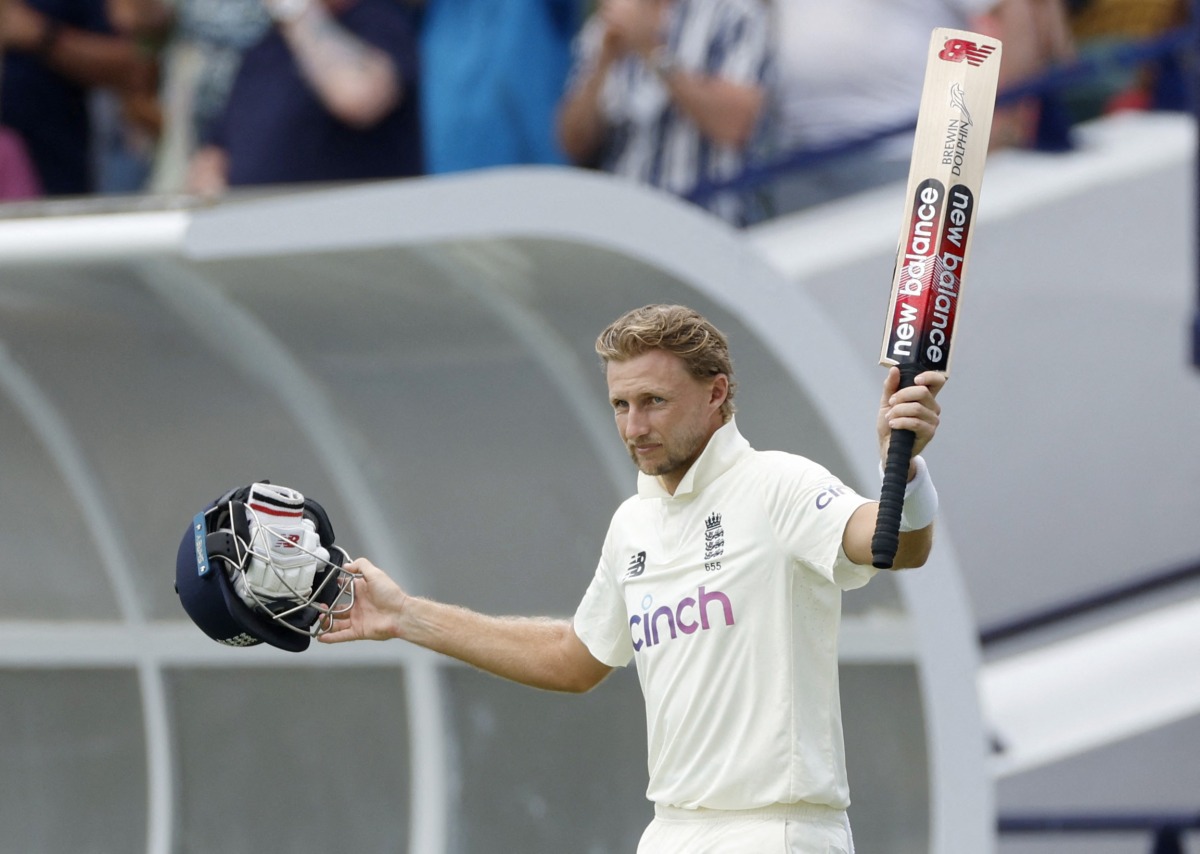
<point x="1036" y="36"/>
<point x="202" y="42"/>
<point x="491" y="75"/>
<point x="18" y="180"/>
<point x="126" y="127"/>
<point x="329" y="94"/>
<point x="56" y="52"/>
<point x="670" y="93"/>
<point x="854" y="68"/>
<point x="1099" y="27"/>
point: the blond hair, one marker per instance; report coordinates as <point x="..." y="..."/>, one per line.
<point x="676" y="329"/>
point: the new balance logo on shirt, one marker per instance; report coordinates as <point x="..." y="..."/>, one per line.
<point x="637" y="565"/>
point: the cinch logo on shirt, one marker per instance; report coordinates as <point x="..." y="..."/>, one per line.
<point x="825" y="496"/>
<point x="689" y="615"/>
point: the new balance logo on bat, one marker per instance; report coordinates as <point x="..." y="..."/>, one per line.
<point x="960" y="50"/>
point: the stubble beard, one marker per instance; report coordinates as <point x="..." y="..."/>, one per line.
<point x="679" y="455"/>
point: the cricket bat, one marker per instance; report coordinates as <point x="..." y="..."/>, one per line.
<point x="949" y="150"/>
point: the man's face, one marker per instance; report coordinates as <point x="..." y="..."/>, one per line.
<point x="665" y="415"/>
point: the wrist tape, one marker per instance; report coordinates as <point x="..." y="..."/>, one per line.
<point x="920" y="499"/>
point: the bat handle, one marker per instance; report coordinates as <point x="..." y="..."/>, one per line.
<point x="895" y="481"/>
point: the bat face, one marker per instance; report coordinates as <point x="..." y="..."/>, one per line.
<point x="930" y="272"/>
<point x="949" y="150"/>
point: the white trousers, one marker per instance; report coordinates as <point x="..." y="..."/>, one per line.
<point x="778" y="829"/>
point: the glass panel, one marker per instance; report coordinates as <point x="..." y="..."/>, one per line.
<point x="546" y="773"/>
<point x="72" y="762"/>
<point x="886" y="759"/>
<point x="49" y="568"/>
<point x="304" y="761"/>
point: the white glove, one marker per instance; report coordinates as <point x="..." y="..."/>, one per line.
<point x="286" y="551"/>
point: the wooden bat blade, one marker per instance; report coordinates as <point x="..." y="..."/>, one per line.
<point x="949" y="151"/>
<point x="962" y="73"/>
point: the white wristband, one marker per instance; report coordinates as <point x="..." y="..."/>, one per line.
<point x="920" y="499"/>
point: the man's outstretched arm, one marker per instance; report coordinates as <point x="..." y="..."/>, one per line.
<point x="540" y="652"/>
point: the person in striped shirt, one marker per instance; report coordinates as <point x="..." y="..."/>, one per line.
<point x="671" y="93"/>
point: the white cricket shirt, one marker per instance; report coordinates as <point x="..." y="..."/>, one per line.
<point x="729" y="596"/>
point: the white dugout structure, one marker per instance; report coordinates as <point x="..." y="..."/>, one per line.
<point x="417" y="357"/>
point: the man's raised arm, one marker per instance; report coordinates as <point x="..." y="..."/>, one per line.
<point x="540" y="652"/>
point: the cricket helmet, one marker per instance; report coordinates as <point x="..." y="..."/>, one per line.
<point x="259" y="565"/>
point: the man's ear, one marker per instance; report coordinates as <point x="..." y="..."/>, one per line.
<point x="719" y="391"/>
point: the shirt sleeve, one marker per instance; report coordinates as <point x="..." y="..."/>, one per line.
<point x="809" y="509"/>
<point x="390" y="30"/>
<point x="91" y="15"/>
<point x="740" y="47"/>
<point x="584" y="48"/>
<point x="601" y="620"/>
<point x="970" y="8"/>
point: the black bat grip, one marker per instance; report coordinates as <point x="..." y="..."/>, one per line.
<point x="895" y="481"/>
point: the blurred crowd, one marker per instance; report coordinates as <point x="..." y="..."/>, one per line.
<point x="201" y="96"/>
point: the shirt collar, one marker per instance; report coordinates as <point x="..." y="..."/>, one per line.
<point x="724" y="448"/>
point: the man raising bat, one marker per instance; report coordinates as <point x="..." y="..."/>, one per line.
<point x="951" y="144"/>
<point x="722" y="578"/>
